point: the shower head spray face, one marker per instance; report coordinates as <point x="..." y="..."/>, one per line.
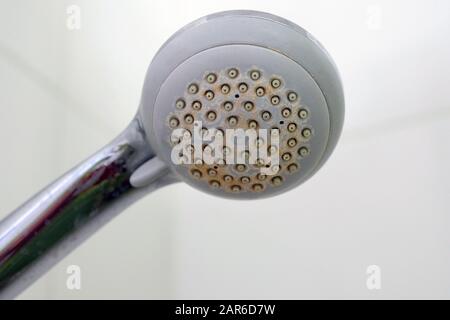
<point x="250" y="71"/>
<point x="239" y="104"/>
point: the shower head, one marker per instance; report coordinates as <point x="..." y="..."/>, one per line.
<point x="238" y="104"/>
<point x="243" y="70"/>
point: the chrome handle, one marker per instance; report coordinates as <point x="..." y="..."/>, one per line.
<point x="86" y="197"/>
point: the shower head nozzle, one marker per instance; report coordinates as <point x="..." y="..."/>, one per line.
<point x="243" y="70"/>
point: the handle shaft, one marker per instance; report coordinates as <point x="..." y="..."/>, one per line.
<point x="95" y="188"/>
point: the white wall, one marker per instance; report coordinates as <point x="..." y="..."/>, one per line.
<point x="383" y="198"/>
